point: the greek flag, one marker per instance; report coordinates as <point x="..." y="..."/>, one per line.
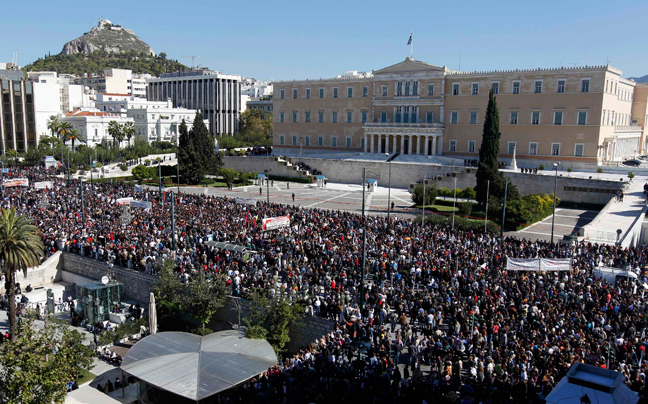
<point x="409" y="41"/>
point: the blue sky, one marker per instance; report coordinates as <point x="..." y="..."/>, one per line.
<point x="285" y="39"/>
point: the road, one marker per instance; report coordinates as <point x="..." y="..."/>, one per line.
<point x="567" y="220"/>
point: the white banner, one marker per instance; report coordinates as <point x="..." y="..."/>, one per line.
<point x="141" y="204"/>
<point x="124" y="201"/>
<point x="16" y="182"/>
<point x="246" y="201"/>
<point x="538" y="264"/>
<point x="273" y="223"/>
<point x="43" y="184"/>
<point x="139" y="188"/>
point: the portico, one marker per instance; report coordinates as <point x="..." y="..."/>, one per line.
<point x="414" y="139"/>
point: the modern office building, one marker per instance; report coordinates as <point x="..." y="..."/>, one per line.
<point x="17" y="121"/>
<point x="581" y="115"/>
<point x="217" y="95"/>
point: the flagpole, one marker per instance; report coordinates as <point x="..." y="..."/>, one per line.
<point x="412" y="45"/>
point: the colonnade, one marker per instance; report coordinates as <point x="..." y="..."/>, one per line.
<point x="417" y="144"/>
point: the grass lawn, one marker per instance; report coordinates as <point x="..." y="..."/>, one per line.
<point x="438" y="208"/>
<point x="85" y="376"/>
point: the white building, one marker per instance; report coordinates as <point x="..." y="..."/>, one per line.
<point x="92" y="125"/>
<point x="54" y="95"/>
<point x="117" y="81"/>
<point x="218" y="95"/>
<point x="154" y="120"/>
<point x="256" y="88"/>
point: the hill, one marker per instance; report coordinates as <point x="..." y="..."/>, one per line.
<point x="642" y="79"/>
<point x="108" y="37"/>
<point x="97" y="61"/>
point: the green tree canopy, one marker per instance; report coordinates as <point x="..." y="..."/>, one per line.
<point x="418" y="195"/>
<point x="488" y="163"/>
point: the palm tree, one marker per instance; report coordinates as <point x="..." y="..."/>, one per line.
<point x="21" y="247"/>
<point x="53" y="124"/>
<point x="129" y="130"/>
<point x="64" y="129"/>
<point x="116" y="131"/>
<point x="73" y="135"/>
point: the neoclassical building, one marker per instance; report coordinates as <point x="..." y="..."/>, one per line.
<point x="581" y="115"/>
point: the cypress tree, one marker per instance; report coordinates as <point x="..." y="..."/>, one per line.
<point x="188" y="156"/>
<point x="488" y="164"/>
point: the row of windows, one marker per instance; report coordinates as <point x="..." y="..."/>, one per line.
<point x="538" y="88"/>
<point x="321" y="115"/>
<point x="579" y="148"/>
<point x="612" y="118"/>
<point x="612" y="86"/>
<point x="535" y="118"/>
<point x="322" y="92"/>
<point x="306" y="141"/>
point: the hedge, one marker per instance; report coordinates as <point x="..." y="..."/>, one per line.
<point x="461" y="223"/>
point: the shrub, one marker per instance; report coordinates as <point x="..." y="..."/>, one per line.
<point x="630" y="175"/>
<point x="86" y="167"/>
<point x="569" y="170"/>
<point x="147" y="162"/>
<point x="167" y="180"/>
<point x="599" y="170"/>
<point x="461" y="223"/>
<point x="468" y="193"/>
<point x="99" y="165"/>
<point x="465" y="208"/>
<point x="73" y="170"/>
<point x="542" y="167"/>
<point x="445" y="192"/>
<point x="418" y="195"/>
<point x="244" y="177"/>
<point x="123" y="167"/>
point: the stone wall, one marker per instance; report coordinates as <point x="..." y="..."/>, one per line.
<point x="570" y="189"/>
<point x="44" y="274"/>
<point x="261" y="164"/>
<point x="137" y="284"/>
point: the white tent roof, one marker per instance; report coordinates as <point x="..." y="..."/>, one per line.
<point x="602" y="386"/>
<point x="198" y="367"/>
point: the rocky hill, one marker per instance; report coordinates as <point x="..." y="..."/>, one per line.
<point x="107" y="37"/>
<point x="642" y="79"/>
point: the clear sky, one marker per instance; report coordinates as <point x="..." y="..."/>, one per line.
<point x="284" y="39"/>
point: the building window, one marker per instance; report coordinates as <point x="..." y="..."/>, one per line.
<point x="349" y="92"/>
<point x="306" y="116"/>
<point x="555" y="149"/>
<point x="321" y="93"/>
<point x="294" y="116"/>
<point x="514" y="118"/>
<point x="399" y="88"/>
<point x="282" y="94"/>
<point x="335" y="92"/>
<point x="561" y="86"/>
<point x="362" y="143"/>
<point x="307" y="140"/>
<point x="334" y="120"/>
<point x="511" y="147"/>
<point x="475" y="88"/>
<point x="415" y="88"/>
<point x="429" y="117"/>
<point x="348" y="142"/>
<point x="558" y="117"/>
<point x="585" y="86"/>
<point x="334" y="141"/>
<point x="455" y="88"/>
<point x="294" y="140"/>
<point x="471" y="146"/>
<point x="383" y="116"/>
<point x="281" y="139"/>
<point x="533" y="148"/>
<point x="398" y="114"/>
<point x="294" y="93"/>
<point x="453" y="145"/>
<point x="454" y="117"/>
<point x="538" y="86"/>
<point x="349" y="116"/>
<point x="495" y="87"/>
<point x="320" y="141"/>
<point x="363" y="116"/>
<point x="384" y="91"/>
<point x="281" y="116"/>
<point x="308" y="93"/>
<point x="430" y="89"/>
<point x="579" y="149"/>
<point x="365" y="91"/>
<point x="473" y="117"/>
<point x="516" y="87"/>
<point x="582" y="117"/>
<point x="320" y="117"/>
<point x="535" y="118"/>
<point x="407" y="88"/>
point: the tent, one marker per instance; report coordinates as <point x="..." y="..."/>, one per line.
<point x="597" y="384"/>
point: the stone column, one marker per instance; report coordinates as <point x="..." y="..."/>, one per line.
<point x="440" y="147"/>
<point x="394" y="150"/>
<point x="418" y="144"/>
<point x="402" y="148"/>
<point x="434" y="145"/>
<point x="426" y="147"/>
<point x="373" y="150"/>
<point x="365" y="143"/>
<point x="411" y="143"/>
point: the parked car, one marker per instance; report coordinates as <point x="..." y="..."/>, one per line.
<point x="632" y="163"/>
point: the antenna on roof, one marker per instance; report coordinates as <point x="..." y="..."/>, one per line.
<point x="193" y="58"/>
<point x="459" y="61"/>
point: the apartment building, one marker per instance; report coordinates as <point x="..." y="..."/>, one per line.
<point x="581" y="115"/>
<point x="116" y="81"/>
<point x="17" y="121"/>
<point x="216" y="94"/>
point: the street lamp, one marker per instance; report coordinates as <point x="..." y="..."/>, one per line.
<point x="553" y="215"/>
<point x="364" y="239"/>
<point x="389" y="160"/>
<point x="178" y="163"/>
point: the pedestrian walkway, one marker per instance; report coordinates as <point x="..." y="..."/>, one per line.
<point x="618" y="220"/>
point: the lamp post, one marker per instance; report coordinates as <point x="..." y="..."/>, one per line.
<point x="454" y="203"/>
<point x="364" y="241"/>
<point x="82" y="204"/>
<point x="553" y="214"/>
<point x="90" y="158"/>
<point x="267" y="179"/>
<point x="487" y="196"/>
<point x="424" y="181"/>
<point x="68" y="168"/>
<point x="178" y="163"/>
<point x="173" y="241"/>
<point x="504" y="210"/>
<point x="389" y="193"/>
<point x="160" y="178"/>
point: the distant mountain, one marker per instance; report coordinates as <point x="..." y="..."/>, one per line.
<point x="642" y="79"/>
<point x="106" y="46"/>
<point x="109" y="38"/>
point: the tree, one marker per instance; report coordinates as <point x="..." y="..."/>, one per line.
<point x="53" y="124"/>
<point x="38" y="364"/>
<point x="272" y="318"/>
<point x="255" y="128"/>
<point x="116" y="131"/>
<point x="73" y="135"/>
<point x="141" y="172"/>
<point x="430" y="195"/>
<point x="129" y="131"/>
<point x="208" y="159"/>
<point x="488" y="164"/>
<point x="64" y="129"/>
<point x="229" y="175"/>
<point x="188" y="157"/>
<point x="21" y="247"/>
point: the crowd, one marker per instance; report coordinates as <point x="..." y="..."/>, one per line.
<point x="435" y="299"/>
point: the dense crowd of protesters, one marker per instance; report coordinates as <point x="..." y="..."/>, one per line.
<point x="435" y="297"/>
